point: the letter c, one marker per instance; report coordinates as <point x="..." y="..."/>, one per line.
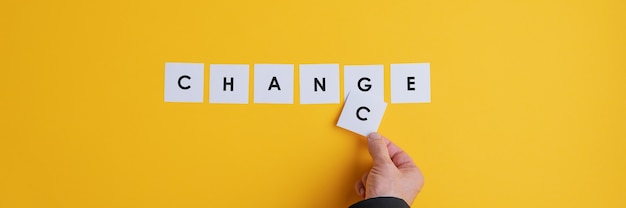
<point x="180" y="79"/>
<point x="359" y="110"/>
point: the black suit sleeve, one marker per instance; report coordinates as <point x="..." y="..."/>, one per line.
<point x="381" y="202"/>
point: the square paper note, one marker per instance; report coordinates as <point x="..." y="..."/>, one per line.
<point x="362" y="114"/>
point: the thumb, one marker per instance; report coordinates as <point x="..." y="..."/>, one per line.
<point x="378" y="149"/>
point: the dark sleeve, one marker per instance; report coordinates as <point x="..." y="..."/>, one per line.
<point x="381" y="202"/>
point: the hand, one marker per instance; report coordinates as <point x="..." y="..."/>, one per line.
<point x="393" y="174"/>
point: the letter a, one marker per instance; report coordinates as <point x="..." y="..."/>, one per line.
<point x="274" y="83"/>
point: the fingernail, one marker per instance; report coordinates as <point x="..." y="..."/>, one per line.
<point x="373" y="136"/>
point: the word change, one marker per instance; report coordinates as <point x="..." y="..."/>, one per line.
<point x="274" y="83"/>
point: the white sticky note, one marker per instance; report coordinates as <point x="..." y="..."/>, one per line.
<point x="273" y="83"/>
<point x="228" y="83"/>
<point x="362" y="114"/>
<point x="365" y="79"/>
<point x="410" y="83"/>
<point x="319" y="83"/>
<point x="184" y="82"/>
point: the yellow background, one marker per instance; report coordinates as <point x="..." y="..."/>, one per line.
<point x="528" y="103"/>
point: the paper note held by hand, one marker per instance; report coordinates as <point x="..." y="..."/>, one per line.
<point x="362" y="114"/>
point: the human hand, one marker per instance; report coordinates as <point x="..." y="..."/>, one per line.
<point x="394" y="174"/>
